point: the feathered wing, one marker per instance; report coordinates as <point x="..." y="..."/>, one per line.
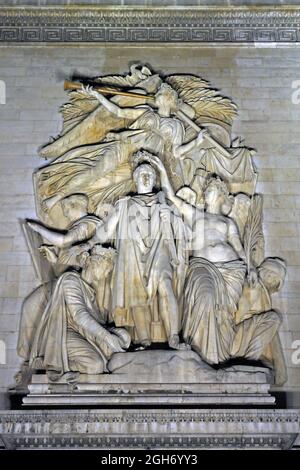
<point x="86" y="121"/>
<point x="253" y="235"/>
<point x="208" y="104"/>
<point x="81" y="104"/>
<point x="138" y="73"/>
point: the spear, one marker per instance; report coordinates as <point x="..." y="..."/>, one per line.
<point x="69" y="85"/>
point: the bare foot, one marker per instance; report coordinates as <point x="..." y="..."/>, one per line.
<point x="174" y="343"/>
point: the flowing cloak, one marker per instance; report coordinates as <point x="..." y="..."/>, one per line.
<point x="254" y="300"/>
<point x="50" y="341"/>
<point x="238" y="171"/>
<point x="160" y="136"/>
<point x="148" y="250"/>
<point x="211" y="295"/>
<point x="103" y="171"/>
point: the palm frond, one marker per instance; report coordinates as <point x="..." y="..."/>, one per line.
<point x="253" y="235"/>
<point x="207" y="102"/>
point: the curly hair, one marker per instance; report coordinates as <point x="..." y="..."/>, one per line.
<point x="168" y="91"/>
<point x="221" y="186"/>
<point x="103" y="252"/>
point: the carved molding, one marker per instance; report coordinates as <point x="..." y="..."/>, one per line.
<point x="150" y="24"/>
<point x="152" y="428"/>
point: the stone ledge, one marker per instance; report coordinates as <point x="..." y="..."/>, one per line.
<point x="155" y="377"/>
<point x="153" y="428"/>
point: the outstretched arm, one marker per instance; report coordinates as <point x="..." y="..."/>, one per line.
<point x="106" y="231"/>
<point x="129" y="113"/>
<point x="58" y="239"/>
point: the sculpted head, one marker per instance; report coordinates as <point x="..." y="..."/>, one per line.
<point x="144" y="174"/>
<point x="272" y="273"/>
<point x="99" y="264"/>
<point x="75" y="206"/>
<point x="217" y="197"/>
<point x="166" y="98"/>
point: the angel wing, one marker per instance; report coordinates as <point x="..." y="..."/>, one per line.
<point x="86" y="122"/>
<point x="253" y="234"/>
<point x="137" y="74"/>
<point x="208" y="104"/>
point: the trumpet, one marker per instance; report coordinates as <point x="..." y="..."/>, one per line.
<point x="69" y="86"/>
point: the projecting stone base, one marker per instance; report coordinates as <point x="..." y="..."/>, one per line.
<point x="156" y="377"/>
<point x="149" y="429"/>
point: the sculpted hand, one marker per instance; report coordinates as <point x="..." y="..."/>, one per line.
<point x="114" y="342"/>
<point x="92" y="92"/>
<point x="156" y="163"/>
<point x="49" y="253"/>
<point x="200" y="137"/>
<point x="164" y="214"/>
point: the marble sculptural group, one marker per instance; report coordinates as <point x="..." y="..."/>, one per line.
<point x="150" y="231"/>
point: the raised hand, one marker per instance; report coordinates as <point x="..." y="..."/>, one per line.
<point x="92" y="92"/>
<point x="49" y="253"/>
<point x="155" y="162"/>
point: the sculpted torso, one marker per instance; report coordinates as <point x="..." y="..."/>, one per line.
<point x="212" y="238"/>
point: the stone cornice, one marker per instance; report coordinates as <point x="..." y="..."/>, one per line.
<point x="151" y="428"/>
<point x="150" y="24"/>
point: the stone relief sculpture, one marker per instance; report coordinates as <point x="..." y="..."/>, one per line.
<point x="152" y="232"/>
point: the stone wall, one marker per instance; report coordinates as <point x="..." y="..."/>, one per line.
<point x="260" y="80"/>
